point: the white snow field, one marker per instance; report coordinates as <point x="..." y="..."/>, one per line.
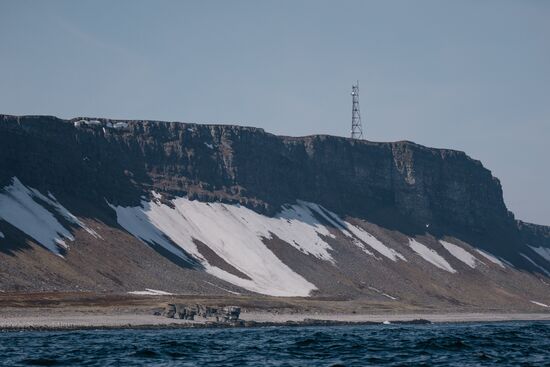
<point x="383" y="293"/>
<point x="24" y="209"/>
<point x="236" y="234"/>
<point x="430" y="255"/>
<point x="540" y="304"/>
<point x="233" y="232"/>
<point x="360" y="234"/>
<point x="542" y="251"/>
<point x="491" y="258"/>
<point x="543" y="270"/>
<point x="151" y="292"/>
<point x="374" y="243"/>
<point x="461" y="254"/>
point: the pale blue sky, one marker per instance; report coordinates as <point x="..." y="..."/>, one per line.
<point x="468" y="75"/>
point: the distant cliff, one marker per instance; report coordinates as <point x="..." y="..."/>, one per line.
<point x="425" y="186"/>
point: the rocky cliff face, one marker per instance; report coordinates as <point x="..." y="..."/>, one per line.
<point x="398" y="191"/>
<point x="443" y="189"/>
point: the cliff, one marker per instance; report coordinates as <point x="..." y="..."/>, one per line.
<point x="442" y="188"/>
<point x="129" y="204"/>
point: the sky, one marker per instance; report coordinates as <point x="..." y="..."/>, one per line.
<point x="467" y="75"/>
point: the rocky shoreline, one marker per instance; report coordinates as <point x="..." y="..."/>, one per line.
<point x="75" y="311"/>
<point x="214" y="325"/>
<point x="53" y="322"/>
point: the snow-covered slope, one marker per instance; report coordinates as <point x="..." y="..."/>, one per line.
<point x="431" y="256"/>
<point x="231" y="242"/>
<point x="38" y="216"/>
<point x="490" y="257"/>
<point x="236" y="234"/>
<point x="461" y="254"/>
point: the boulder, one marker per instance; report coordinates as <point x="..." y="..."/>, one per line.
<point x="169" y="311"/>
<point x="231" y="313"/>
<point x="207" y="311"/>
<point x="185" y="313"/>
<point x="181" y="311"/>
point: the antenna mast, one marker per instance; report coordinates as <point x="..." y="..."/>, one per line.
<point x="356" y="128"/>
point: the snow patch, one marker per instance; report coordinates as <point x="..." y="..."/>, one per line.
<point x="120" y="125"/>
<point x="151" y="292"/>
<point x="544" y="252"/>
<point x="384" y="294"/>
<point x="360" y="234"/>
<point x="137" y="222"/>
<point x="91" y="122"/>
<point x="235" y="233"/>
<point x="374" y="243"/>
<point x="491" y="258"/>
<point x="2" y="235"/>
<point x="540" y="304"/>
<point x="506" y="262"/>
<point x="544" y="271"/>
<point x="430" y="256"/>
<point x="208" y="145"/>
<point x="86" y="122"/>
<point x="297" y="225"/>
<point x="22" y="208"/>
<point x="18" y="207"/>
<point x="109" y="125"/>
<point x="51" y="200"/>
<point x="461" y="254"/>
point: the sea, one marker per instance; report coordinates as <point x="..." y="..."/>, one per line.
<point x="446" y="344"/>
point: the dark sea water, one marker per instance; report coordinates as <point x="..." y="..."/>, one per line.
<point x="503" y="344"/>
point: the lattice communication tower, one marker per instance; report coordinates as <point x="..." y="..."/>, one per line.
<point x="356" y="128"/>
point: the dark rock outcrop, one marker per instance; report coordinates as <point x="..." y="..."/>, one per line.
<point x="169" y="311"/>
<point x="384" y="182"/>
<point x="227" y="314"/>
<point x="403" y="186"/>
<point x="534" y="234"/>
<point x="231" y="313"/>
